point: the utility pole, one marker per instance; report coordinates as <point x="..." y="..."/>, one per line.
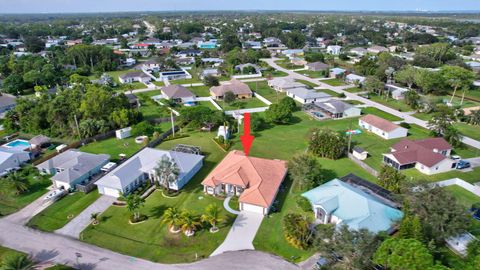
<point x="173" y="125"/>
<point x="349" y="137"/>
<point x="78" y="128"/>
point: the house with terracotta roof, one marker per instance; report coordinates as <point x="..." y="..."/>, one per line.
<point x="255" y="180"/>
<point x="429" y="156"/>
<point x="238" y="88"/>
<point x="382" y="127"/>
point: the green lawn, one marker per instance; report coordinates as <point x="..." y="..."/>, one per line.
<point x="307" y="83"/>
<point x="266" y="91"/>
<point x="113" y="147"/>
<point x="4" y="252"/>
<point x="274" y="73"/>
<point x="57" y="215"/>
<point x="186" y="81"/>
<point x="201" y="91"/>
<point x="354" y="90"/>
<point x="330" y="92"/>
<point x="334" y="82"/>
<point x="463" y="196"/>
<point x="160" y="84"/>
<point x="207" y="104"/>
<point x="312" y="74"/>
<point x="151" y="239"/>
<point x="285" y="63"/>
<point x="423" y="116"/>
<point x="149" y="108"/>
<point x="242" y="104"/>
<point x="468" y="130"/>
<point x="399" y="105"/>
<point x="37" y="187"/>
<point x="353" y="102"/>
<point x="380" y="113"/>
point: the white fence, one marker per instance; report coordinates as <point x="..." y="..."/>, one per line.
<point x="258" y="75"/>
<point x="461" y="183"/>
<point x="262" y="99"/>
<point x="252" y="110"/>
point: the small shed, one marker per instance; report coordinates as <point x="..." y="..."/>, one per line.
<point x="224" y="132"/>
<point x="39" y="141"/>
<point x="360" y="153"/>
<point x="123" y="133"/>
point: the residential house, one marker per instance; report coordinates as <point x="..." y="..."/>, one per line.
<point x="293" y="53"/>
<point x="214" y="61"/>
<point x="356" y="203"/>
<point x="209" y="72"/>
<point x="211" y="44"/>
<point x="334" y="49"/>
<point x="189" y="53"/>
<point x="255" y="45"/>
<point x="317" y="66"/>
<point x="151" y="65"/>
<point x="338" y="109"/>
<point x="354" y="79"/>
<point x="11" y="159"/>
<point x="73" y="167"/>
<point x="255" y="180"/>
<point x="175" y="75"/>
<point x="475" y="66"/>
<point x="39" y="141"/>
<point x="7" y="102"/>
<point x="281" y="84"/>
<point x="141" y="168"/>
<point x="178" y="93"/>
<point x="185" y="61"/>
<point x="132" y="100"/>
<point x="429" y="156"/>
<point x="382" y="127"/>
<point x="238" y="88"/>
<point x="397" y="93"/>
<point x="137" y="76"/>
<point x="359" y="51"/>
<point x="337" y="72"/>
<point x="305" y="95"/>
<point x="377" y="49"/>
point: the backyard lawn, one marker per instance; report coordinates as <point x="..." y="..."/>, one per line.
<point x="354" y="90"/>
<point x="266" y="91"/>
<point x="392" y="103"/>
<point x="37" y="187"/>
<point x="312" y="74"/>
<point x="463" y="196"/>
<point x="151" y="239"/>
<point x="307" y="83"/>
<point x="200" y="91"/>
<point x="274" y="73"/>
<point x="334" y="82"/>
<point x="61" y="212"/>
<point x="328" y="91"/>
<point x="242" y="104"/>
<point x="159" y="84"/>
<point x="113" y="147"/>
<point x="285" y="63"/>
<point x="380" y="113"/>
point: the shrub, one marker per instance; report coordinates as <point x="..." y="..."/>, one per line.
<point x="405" y="125"/>
<point x="296" y="230"/>
<point x="304" y="204"/>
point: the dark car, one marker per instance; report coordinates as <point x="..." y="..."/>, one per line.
<point x="462" y="164"/>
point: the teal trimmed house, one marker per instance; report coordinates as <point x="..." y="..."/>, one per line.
<point x="356" y="203"/>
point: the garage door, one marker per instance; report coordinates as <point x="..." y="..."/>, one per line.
<point x="253" y="208"/>
<point x="111" y="192"/>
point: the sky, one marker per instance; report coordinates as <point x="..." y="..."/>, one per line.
<point x="61" y="6"/>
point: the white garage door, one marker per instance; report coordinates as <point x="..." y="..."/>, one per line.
<point x="253" y="208"/>
<point x="111" y="192"/>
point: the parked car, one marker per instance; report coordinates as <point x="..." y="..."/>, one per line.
<point x="456" y="157"/>
<point x="462" y="164"/>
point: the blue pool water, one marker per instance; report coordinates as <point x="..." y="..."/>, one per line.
<point x="22" y="144"/>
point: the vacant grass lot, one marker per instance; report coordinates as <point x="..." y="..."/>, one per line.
<point x="312" y="74"/>
<point x="468" y="130"/>
<point x="334" y="82"/>
<point x="399" y="105"/>
<point x="266" y="91"/>
<point x="57" y="215"/>
<point x="285" y="63"/>
<point x="380" y="113"/>
<point x="354" y="90"/>
<point x="149" y="108"/>
<point x="37" y="187"/>
<point x="330" y="92"/>
<point x="200" y="91"/>
<point x="242" y="104"/>
<point x="151" y="239"/>
<point x="273" y="73"/>
<point x="113" y="147"/>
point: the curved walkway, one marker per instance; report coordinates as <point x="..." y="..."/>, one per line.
<point x="227" y="206"/>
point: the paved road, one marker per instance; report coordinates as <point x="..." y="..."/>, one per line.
<point x="241" y="234"/>
<point x="341" y="89"/>
<point x="80" y="222"/>
<point x="65" y="250"/>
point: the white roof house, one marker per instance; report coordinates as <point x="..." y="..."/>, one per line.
<point x="282" y="84"/>
<point x="12" y="158"/>
<point x="305" y="95"/>
<point x="334" y="49"/>
<point x="353" y="78"/>
<point x="136" y="170"/>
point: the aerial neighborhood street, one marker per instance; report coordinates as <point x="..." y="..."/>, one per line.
<point x="244" y="140"/>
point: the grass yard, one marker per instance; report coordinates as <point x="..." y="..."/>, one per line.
<point x="463" y="196"/>
<point x="242" y="104"/>
<point x="207" y="104"/>
<point x="330" y="92"/>
<point x="159" y="84"/>
<point x="468" y="130"/>
<point x="265" y="91"/>
<point x="353" y="102"/>
<point x="273" y="73"/>
<point x="307" y="83"/>
<point x="56" y="215"/>
<point x="312" y="74"/>
<point x="392" y="103"/>
<point x="186" y="81"/>
<point x="354" y="90"/>
<point x="113" y="147"/>
<point x="423" y="116"/>
<point x="38" y="185"/>
<point x="470" y="177"/>
<point x="200" y="91"/>
<point x="380" y="113"/>
<point x="334" y="82"/>
<point x="149" y="108"/>
<point x="4" y="252"/>
<point x="151" y="239"/>
<point x="285" y="63"/>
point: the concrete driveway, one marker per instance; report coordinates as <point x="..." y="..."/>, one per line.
<point x="242" y="233"/>
<point x="80" y="222"/>
<point x="25" y="214"/>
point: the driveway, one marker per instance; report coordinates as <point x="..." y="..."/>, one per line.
<point x="242" y="233"/>
<point x="80" y="222"/>
<point x="25" y="214"/>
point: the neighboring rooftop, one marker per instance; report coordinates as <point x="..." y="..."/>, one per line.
<point x="379" y="122"/>
<point x="426" y="151"/>
<point x="237" y="87"/>
<point x="176" y="91"/>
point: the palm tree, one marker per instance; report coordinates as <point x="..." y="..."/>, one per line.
<point x="17" y="262"/>
<point x="17" y="183"/>
<point x="212" y="216"/>
<point x="135" y="202"/>
<point x="172" y="217"/>
<point x="166" y="171"/>
<point x="189" y="223"/>
<point x="95" y="217"/>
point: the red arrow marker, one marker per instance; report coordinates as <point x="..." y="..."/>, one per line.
<point x="246" y="138"/>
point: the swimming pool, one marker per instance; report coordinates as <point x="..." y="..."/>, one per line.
<point x="18" y="143"/>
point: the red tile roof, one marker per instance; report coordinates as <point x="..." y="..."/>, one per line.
<point x="260" y="177"/>
<point x="426" y="151"/>
<point x="379" y="122"/>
